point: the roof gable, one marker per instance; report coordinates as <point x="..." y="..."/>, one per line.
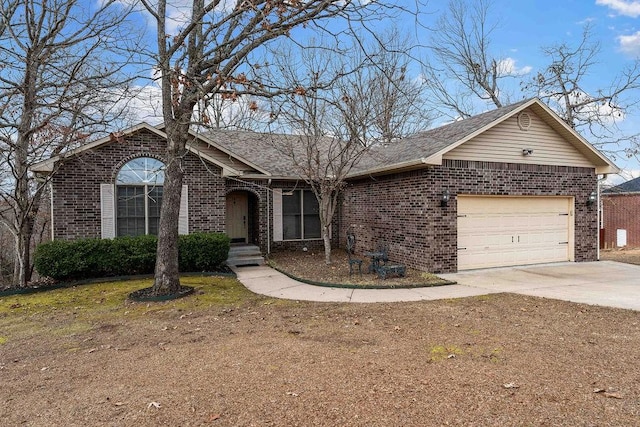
<point x="48" y="165"/>
<point x="522" y="138"/>
<point x="231" y="164"/>
<point x="431" y="146"/>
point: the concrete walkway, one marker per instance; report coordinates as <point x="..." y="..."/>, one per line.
<point x="604" y="283"/>
<point x="265" y="280"/>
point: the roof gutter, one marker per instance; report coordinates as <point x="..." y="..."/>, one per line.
<point x="270" y="177"/>
<point x="435" y="160"/>
<point x="604" y="170"/>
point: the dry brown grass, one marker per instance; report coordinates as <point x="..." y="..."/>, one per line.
<point x="629" y="256"/>
<point x="225" y="357"/>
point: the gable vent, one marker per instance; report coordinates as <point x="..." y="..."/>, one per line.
<point x="524" y="121"/>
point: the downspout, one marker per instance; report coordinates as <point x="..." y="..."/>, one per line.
<point x="268" y="218"/>
<point x="51" y="217"/>
<point x="600" y="216"/>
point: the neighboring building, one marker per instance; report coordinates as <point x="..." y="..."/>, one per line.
<point x="507" y="187"/>
<point x="621" y="216"/>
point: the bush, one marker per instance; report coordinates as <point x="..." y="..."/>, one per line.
<point x="57" y="259"/>
<point x="125" y="256"/>
<point x="203" y="251"/>
<point x="136" y="255"/>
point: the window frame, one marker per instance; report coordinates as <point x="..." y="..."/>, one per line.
<point x="148" y="186"/>
<point x="301" y="215"/>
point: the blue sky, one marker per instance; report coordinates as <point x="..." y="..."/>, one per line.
<point x="525" y="26"/>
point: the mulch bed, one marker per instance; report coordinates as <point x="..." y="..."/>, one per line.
<point x="148" y="295"/>
<point x="310" y="266"/>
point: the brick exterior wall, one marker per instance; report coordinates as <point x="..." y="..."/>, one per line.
<point x="404" y="209"/>
<point x="76" y="187"/>
<point x="620" y="211"/>
<point x="298" y="245"/>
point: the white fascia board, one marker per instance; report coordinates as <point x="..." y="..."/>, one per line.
<point x="581" y="142"/>
<point x="227" y="152"/>
<point x="49" y="164"/>
<point x="604" y="170"/>
<point x="434" y="160"/>
<point x="226" y="170"/>
<point x="271" y="177"/>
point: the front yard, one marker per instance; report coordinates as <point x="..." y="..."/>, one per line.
<point x="226" y="357"/>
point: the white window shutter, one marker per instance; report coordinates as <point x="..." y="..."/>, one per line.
<point x="107" y="212"/>
<point x="183" y="219"/>
<point x="277" y="215"/>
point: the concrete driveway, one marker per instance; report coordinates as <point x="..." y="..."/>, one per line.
<point x="605" y="283"/>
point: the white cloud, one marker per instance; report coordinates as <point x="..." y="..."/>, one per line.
<point x="507" y="67"/>
<point x="630" y="44"/>
<point x="618" y="178"/>
<point x="146" y="105"/>
<point x="622" y="7"/>
<point x="586" y="21"/>
<point x="178" y="12"/>
<point x="608" y="113"/>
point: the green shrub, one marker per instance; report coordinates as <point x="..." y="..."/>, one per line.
<point x="136" y="255"/>
<point x="57" y="259"/>
<point x="203" y="251"/>
<point x="125" y="256"/>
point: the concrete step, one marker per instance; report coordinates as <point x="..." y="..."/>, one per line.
<point x="244" y="255"/>
<point x="243" y="249"/>
<point x="247" y="260"/>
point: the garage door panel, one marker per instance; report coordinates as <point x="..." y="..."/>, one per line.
<point x="504" y="231"/>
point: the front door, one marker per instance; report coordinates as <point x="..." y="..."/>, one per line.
<point x="236" y="219"/>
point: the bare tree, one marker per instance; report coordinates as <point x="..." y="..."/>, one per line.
<point x="594" y="112"/>
<point x="346" y="100"/>
<point x="461" y="68"/>
<point x="326" y="131"/>
<point x="209" y="54"/>
<point x="396" y="99"/>
<point x="60" y="79"/>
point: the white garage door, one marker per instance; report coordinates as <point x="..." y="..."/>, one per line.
<point x="505" y="231"/>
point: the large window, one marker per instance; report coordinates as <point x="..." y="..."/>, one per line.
<point x="300" y="215"/>
<point x="139" y="194"/>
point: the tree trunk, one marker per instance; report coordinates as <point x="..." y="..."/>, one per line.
<point x="29" y="207"/>
<point x="327" y="244"/>
<point x="167" y="277"/>
<point x="21" y="266"/>
<point x="326" y="216"/>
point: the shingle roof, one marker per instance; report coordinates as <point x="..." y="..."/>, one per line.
<point x="631" y="186"/>
<point x="243" y="152"/>
<point x="271" y="152"/>
<point x="266" y="150"/>
<point x="430" y="142"/>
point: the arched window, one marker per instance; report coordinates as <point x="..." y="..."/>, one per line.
<point x="139" y="194"/>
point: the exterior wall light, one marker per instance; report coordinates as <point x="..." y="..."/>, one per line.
<point x="444" y="201"/>
<point x="527" y="151"/>
<point x="592" y="198"/>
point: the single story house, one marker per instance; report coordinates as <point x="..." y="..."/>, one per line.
<point x="621" y="215"/>
<point x="510" y="186"/>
